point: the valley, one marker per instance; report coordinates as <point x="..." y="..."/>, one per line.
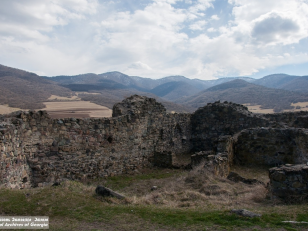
<point x="93" y="95"/>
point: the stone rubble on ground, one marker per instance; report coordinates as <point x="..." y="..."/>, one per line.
<point x="106" y="192"/>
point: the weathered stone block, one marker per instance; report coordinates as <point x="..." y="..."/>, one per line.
<point x="289" y="182"/>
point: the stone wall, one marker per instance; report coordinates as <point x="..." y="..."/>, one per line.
<point x="14" y="169"/>
<point x="37" y="150"/>
<point x="271" y="146"/>
<point x="50" y="150"/>
<point x="289" y="182"/>
<point x="220" y="119"/>
<point x="291" y="119"/>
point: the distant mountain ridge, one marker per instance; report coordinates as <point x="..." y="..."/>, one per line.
<point x="284" y="81"/>
<point x="169" y="88"/>
<point x="267" y="91"/>
<point x="19" y="88"/>
<point x="27" y="90"/>
<point x="174" y="90"/>
<point x="140" y="83"/>
<point x="240" y="91"/>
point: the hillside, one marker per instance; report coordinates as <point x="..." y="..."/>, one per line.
<point x="26" y="90"/>
<point x="299" y="84"/>
<point x="109" y="97"/>
<point x="174" y="90"/>
<point x="88" y="82"/>
<point x="118" y="80"/>
<point x="275" y="80"/>
<point x="286" y="82"/>
<point x="240" y="91"/>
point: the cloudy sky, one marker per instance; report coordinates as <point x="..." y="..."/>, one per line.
<point x="202" y="39"/>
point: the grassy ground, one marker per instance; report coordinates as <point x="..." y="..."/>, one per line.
<point x="183" y="201"/>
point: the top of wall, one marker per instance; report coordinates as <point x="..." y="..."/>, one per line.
<point x="136" y="104"/>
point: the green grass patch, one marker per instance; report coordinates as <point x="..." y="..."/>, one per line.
<point x="73" y="203"/>
<point x="74" y="206"/>
<point x="120" y="182"/>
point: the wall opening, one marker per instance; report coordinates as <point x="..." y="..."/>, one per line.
<point x="110" y="139"/>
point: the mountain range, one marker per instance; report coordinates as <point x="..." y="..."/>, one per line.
<point x="242" y="92"/>
<point x="27" y="90"/>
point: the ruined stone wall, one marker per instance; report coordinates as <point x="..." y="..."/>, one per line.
<point x="14" y="169"/>
<point x="221" y="119"/>
<point x="52" y="150"/>
<point x="271" y="146"/>
<point x="291" y="119"/>
<point x="37" y="150"/>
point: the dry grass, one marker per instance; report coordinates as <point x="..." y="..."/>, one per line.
<point x="184" y="200"/>
<point x="196" y="189"/>
<point x="252" y="172"/>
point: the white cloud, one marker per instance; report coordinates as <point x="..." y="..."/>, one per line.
<point x="32" y="18"/>
<point x="139" y="65"/>
<point x="211" y="29"/>
<point x="276" y="28"/>
<point x="152" y="35"/>
<point x="80" y="36"/>
<point x="199" y="25"/>
<point x="199" y="7"/>
<point x="215" y="17"/>
<point x="275" y="21"/>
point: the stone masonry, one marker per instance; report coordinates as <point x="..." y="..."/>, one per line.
<point x="290" y="182"/>
<point x="221" y="119"/>
<point x="37" y="150"/>
<point x="271" y="146"/>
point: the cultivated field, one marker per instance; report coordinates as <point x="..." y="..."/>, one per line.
<point x="5" y="109"/>
<point x="302" y="106"/>
<point x="76" y="109"/>
<point x="258" y="109"/>
<point x="65" y="107"/>
<point x="56" y="97"/>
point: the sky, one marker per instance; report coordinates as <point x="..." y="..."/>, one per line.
<point x="204" y="39"/>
